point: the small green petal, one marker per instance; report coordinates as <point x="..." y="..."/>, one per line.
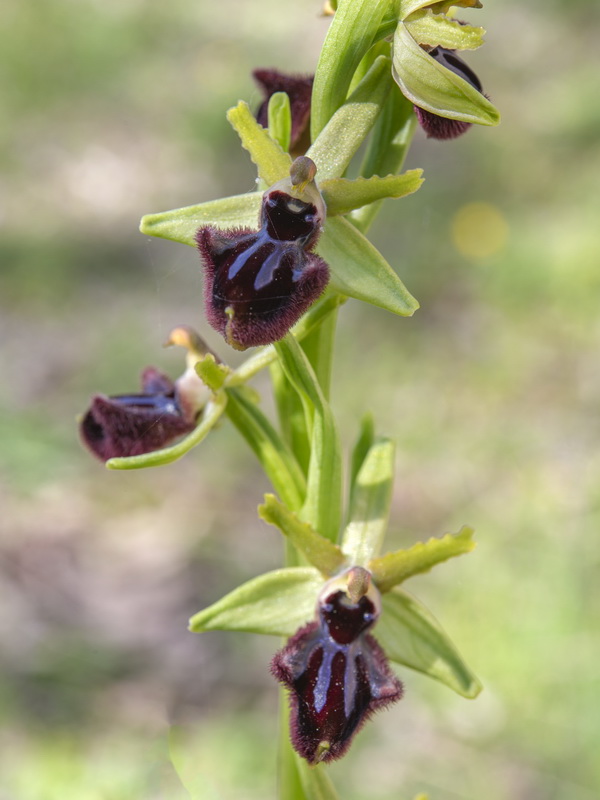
<point x="431" y="86"/>
<point x="280" y="120"/>
<point x="412" y="636"/>
<point x="209" y="418"/>
<point x="371" y="499"/>
<point x="394" y="568"/>
<point x="276" y="603"/>
<point x="272" y="162"/>
<point x="181" y="224"/>
<point x="212" y="373"/>
<point x="359" y="270"/>
<point x="437" y="30"/>
<point x="320" y="552"/>
<point x="342" y="195"/>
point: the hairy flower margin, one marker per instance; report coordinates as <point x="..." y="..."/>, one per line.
<point x="336" y="673"/>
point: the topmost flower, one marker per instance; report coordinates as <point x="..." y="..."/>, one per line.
<point x="447" y="95"/>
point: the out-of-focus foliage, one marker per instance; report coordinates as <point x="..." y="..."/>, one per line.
<point x="111" y="109"/>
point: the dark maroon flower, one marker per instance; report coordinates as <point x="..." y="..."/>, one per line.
<point x="337" y="674"/>
<point x="437" y="127"/>
<point x="299" y="89"/>
<point x="132" y="424"/>
<point x="259" y="283"/>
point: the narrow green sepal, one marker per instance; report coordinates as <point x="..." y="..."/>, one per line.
<point x="210" y="416"/>
<point x="437" y="30"/>
<point x="276" y="603"/>
<point x="371" y="500"/>
<point x="359" y="270"/>
<point x="394" y="568"/>
<point x="431" y="86"/>
<point x="320" y="552"/>
<point x="342" y="195"/>
<point x="181" y="224"/>
<point x="412" y="636"/>
<point x="280" y="120"/>
<point x="211" y="372"/>
<point x="276" y="458"/>
<point x="350" y="35"/>
<point x="339" y="140"/>
<point x="272" y="162"/>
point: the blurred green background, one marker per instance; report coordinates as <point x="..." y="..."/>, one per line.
<point x="110" y="109"/>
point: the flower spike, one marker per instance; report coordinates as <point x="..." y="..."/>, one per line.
<point x="133" y="424"/>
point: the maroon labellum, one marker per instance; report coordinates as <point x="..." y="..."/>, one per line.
<point x="259" y="283"/>
<point x="337" y="675"/>
<point x="435" y="126"/>
<point x="132" y="424"/>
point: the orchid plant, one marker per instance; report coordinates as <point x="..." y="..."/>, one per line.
<point x="278" y="263"/>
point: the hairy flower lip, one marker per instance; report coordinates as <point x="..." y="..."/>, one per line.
<point x="258" y="283"/>
<point x="337" y="676"/>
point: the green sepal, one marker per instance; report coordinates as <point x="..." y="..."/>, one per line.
<point x="371" y="500"/>
<point x="272" y="162"/>
<point x="181" y="224"/>
<point x="359" y="270"/>
<point x="435" y="88"/>
<point x="394" y="568"/>
<point x="275" y="457"/>
<point x="211" y="372"/>
<point x="210" y="416"/>
<point x="320" y="552"/>
<point x="351" y="33"/>
<point x="342" y="195"/>
<point x="347" y="129"/>
<point x="280" y="120"/>
<point x="437" y="30"/>
<point x="408" y="7"/>
<point x="276" y="603"/>
<point x="322" y="508"/>
<point x="412" y="636"/>
<point x="315" y="780"/>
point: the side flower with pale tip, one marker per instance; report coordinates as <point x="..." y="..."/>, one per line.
<point x="133" y="424"/>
